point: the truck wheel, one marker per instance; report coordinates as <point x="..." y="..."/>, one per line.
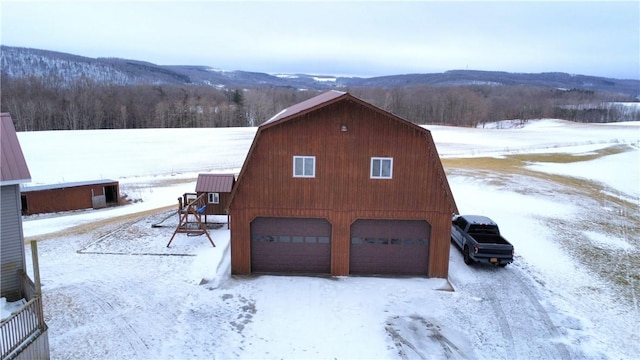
<point x="503" y="265"/>
<point x="467" y="255"/>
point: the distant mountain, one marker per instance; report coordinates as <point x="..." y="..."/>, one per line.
<point x="555" y="80"/>
<point x="22" y="62"/>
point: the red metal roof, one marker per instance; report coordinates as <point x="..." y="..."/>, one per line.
<point x="13" y="166"/>
<point x="325" y="99"/>
<point x="220" y="183"/>
<point x="306" y="105"/>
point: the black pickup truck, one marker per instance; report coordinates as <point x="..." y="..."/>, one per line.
<point x="479" y="239"/>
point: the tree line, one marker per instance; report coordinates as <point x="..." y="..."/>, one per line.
<point x="473" y="105"/>
<point x="46" y="103"/>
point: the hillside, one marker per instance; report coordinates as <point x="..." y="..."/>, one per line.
<point x="23" y="62"/>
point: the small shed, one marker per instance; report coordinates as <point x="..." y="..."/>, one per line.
<point x="94" y="194"/>
<point x="335" y="185"/>
<point x="218" y="189"/>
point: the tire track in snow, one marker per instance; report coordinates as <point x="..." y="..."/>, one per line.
<point x="544" y="315"/>
<point x="474" y="279"/>
<point x="130" y="334"/>
<point x="489" y="292"/>
<point x="512" y="316"/>
<point x="415" y="336"/>
<point x="503" y="322"/>
<point x="520" y="318"/>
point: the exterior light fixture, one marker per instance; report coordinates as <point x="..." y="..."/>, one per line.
<point x="343" y="128"/>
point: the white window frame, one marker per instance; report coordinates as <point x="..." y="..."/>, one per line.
<point x="304" y="167"/>
<point x="379" y="175"/>
<point x="213" y="198"/>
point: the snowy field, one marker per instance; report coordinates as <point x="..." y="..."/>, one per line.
<point x="566" y="195"/>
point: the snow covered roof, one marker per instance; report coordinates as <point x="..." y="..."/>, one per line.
<point x="13" y="166"/>
<point x="222" y="183"/>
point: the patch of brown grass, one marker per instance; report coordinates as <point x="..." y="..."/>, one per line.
<point x="505" y="164"/>
<point x="599" y="211"/>
<point x="516" y="165"/>
<point x="566" y="158"/>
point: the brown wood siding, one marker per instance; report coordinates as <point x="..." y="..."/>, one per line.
<point x="342" y="190"/>
<point x="240" y="243"/>
<point x="64" y="199"/>
<point x="217" y="209"/>
<point x="439" y="250"/>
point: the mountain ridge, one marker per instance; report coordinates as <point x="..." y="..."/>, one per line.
<point x="65" y="67"/>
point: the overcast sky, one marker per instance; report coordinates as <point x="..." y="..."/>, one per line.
<point x="360" y="38"/>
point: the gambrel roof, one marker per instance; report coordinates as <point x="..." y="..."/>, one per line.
<point x="13" y="166"/>
<point x="325" y="99"/>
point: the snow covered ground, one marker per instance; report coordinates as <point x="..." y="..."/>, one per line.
<point x="566" y="195"/>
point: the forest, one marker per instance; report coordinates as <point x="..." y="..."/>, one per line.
<point x="48" y="103"/>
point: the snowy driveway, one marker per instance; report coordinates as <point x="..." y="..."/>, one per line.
<point x="165" y="306"/>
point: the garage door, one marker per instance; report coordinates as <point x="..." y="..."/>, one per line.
<point x="389" y="247"/>
<point x="291" y="245"/>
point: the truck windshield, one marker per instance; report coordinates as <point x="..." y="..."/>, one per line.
<point x="483" y="229"/>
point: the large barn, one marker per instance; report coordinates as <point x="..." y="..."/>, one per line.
<point x="335" y="185"/>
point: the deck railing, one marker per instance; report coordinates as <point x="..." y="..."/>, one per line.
<point x="192" y="199"/>
<point x="25" y="326"/>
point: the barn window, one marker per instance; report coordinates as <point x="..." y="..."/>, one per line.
<point x="381" y="168"/>
<point x="304" y="166"/>
<point x="214" y="198"/>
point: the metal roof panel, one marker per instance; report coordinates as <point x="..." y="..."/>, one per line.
<point x="13" y="166"/>
<point x="305" y="105"/>
<point x="67" y="185"/>
<point x="221" y="183"/>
